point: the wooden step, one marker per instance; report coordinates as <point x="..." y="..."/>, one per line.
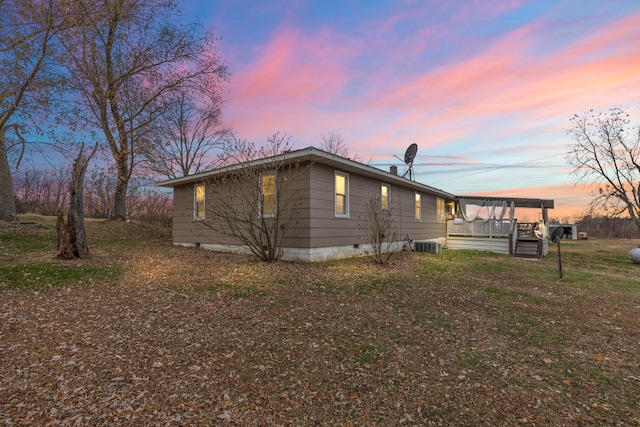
<point x="528" y="248"/>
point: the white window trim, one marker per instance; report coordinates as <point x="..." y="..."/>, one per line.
<point x="383" y="184"/>
<point x="346" y="195"/>
<point x="439" y="219"/>
<point x="415" y="206"/>
<point x="195" y="202"/>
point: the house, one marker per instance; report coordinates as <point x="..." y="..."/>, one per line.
<point x="331" y="193"/>
<point x="326" y="201"/>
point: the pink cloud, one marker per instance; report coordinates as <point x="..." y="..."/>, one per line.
<point x="516" y="95"/>
<point x="292" y="72"/>
<point x="506" y="81"/>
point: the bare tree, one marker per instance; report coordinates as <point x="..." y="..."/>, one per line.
<point x="127" y="60"/>
<point x="334" y="143"/>
<point x="606" y="152"/>
<point x="101" y="186"/>
<point x="42" y="191"/>
<point x="27" y="32"/>
<point x="255" y="198"/>
<point x="376" y="223"/>
<point x="185" y="135"/>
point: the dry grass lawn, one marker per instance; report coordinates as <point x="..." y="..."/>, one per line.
<point x="142" y="333"/>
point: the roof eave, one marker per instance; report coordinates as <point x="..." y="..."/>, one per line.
<point x="320" y="156"/>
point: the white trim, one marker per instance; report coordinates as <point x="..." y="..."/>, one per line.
<point x="275" y="202"/>
<point x="346" y="195"/>
<point x="384" y="184"/>
<point x="443" y="219"/>
<point x="415" y="206"/>
<point x="195" y="202"/>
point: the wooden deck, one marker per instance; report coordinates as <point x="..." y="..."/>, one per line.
<point x="491" y="244"/>
<point x="504" y="236"/>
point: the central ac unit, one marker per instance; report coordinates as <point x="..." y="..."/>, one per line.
<point x="429" y="247"/>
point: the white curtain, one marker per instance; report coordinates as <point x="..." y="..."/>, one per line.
<point x="484" y="210"/>
<point x="470" y="209"/>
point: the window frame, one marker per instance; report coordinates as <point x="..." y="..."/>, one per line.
<point x="417" y="206"/>
<point x="262" y="196"/>
<point x="337" y="195"/>
<point x="197" y="202"/>
<point x="385" y="202"/>
<point x="441" y="210"/>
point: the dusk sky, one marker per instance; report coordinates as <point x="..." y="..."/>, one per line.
<point x="485" y="88"/>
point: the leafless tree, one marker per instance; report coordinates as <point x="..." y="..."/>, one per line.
<point x="27" y="33"/>
<point x="151" y="206"/>
<point x="255" y="198"/>
<point x="334" y="143"/>
<point x="605" y="151"/>
<point x="101" y="185"/>
<point x="185" y="135"/>
<point x="42" y="191"/>
<point x="127" y="60"/>
<point x="376" y="223"/>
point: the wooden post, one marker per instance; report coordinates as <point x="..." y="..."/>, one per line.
<point x="559" y="262"/>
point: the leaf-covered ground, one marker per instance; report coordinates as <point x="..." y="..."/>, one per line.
<point x="144" y="333"/>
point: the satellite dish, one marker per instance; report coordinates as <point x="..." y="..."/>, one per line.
<point x="557" y="234"/>
<point x="410" y="154"/>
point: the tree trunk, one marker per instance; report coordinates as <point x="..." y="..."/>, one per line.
<point x="67" y="243"/>
<point x="7" y="199"/>
<point x="76" y="193"/>
<point x="120" y="197"/>
<point x="72" y="237"/>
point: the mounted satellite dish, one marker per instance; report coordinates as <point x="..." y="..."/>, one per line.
<point x="557" y="234"/>
<point x="409" y="155"/>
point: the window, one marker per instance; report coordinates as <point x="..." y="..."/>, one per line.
<point x="342" y="194"/>
<point x="418" y="207"/>
<point x="451" y="209"/>
<point x="385" y="191"/>
<point x="198" y="201"/>
<point x="268" y="188"/>
<point x="440" y="209"/>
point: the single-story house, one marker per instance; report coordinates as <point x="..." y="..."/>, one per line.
<point x="327" y="198"/>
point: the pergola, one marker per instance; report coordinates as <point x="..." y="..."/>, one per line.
<point x="516" y="202"/>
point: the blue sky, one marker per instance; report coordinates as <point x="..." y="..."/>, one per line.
<point x="485" y="88"/>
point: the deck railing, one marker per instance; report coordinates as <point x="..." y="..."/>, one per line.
<point x="491" y="228"/>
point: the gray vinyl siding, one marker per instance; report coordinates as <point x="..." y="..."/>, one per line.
<point x="188" y="230"/>
<point x="328" y="230"/>
<point x="315" y="224"/>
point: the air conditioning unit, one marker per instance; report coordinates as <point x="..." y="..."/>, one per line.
<point x="429" y="247"/>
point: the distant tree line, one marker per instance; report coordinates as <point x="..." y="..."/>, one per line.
<point x="45" y="192"/>
<point x="608" y="227"/>
<point x="601" y="224"/>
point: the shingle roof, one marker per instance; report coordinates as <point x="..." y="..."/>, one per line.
<point x="318" y="156"/>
